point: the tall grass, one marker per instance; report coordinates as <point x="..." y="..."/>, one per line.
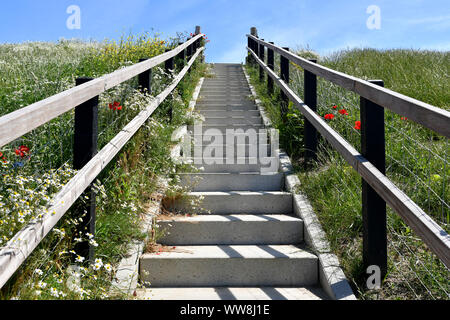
<point x="416" y="161"/>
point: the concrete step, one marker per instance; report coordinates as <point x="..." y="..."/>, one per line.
<point x="236" y="202"/>
<point x="222" y="90"/>
<point x="232" y="113"/>
<point x="232" y="293"/>
<point x="211" y="150"/>
<point x="232" y="181"/>
<point x="231" y="265"/>
<point x="226" y="107"/>
<point x="222" y="128"/>
<point x="229" y="168"/>
<point x="231" y="230"/>
<point x="232" y="120"/>
<point x="234" y="84"/>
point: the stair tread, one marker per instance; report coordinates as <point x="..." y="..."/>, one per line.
<point x="232" y="293"/>
<point x="234" y="251"/>
<point x="232" y="218"/>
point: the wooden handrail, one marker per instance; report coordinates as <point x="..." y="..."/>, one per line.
<point x="429" y="116"/>
<point x="436" y="238"/>
<point x="14" y="253"/>
<point x="24" y="120"/>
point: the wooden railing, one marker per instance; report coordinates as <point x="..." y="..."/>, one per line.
<point x="84" y="95"/>
<point x="377" y="189"/>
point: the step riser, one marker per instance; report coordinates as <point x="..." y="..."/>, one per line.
<point x="213" y="91"/>
<point x="262" y="203"/>
<point x="223" y="113"/>
<point x="230" y="121"/>
<point x="210" y="151"/>
<point x="222" y="129"/>
<point x="231" y="233"/>
<point x="227" y="168"/>
<point x="230" y="182"/>
<point x="229" y="272"/>
<point x="226" y="108"/>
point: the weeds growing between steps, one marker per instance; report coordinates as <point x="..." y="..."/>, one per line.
<point x="140" y="174"/>
<point x="416" y="161"/>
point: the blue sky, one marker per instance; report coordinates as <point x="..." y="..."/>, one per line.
<point x="324" y="25"/>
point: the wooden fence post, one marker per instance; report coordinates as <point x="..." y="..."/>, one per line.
<point x="144" y="78"/>
<point x="168" y="67"/>
<point x="189" y="53"/>
<point x="249" y="45"/>
<point x="271" y="65"/>
<point x="373" y="206"/>
<point x="180" y="63"/>
<point x="84" y="149"/>
<point x="310" y="133"/>
<point x="261" y="56"/>
<point x="284" y="74"/>
<point x="253" y="44"/>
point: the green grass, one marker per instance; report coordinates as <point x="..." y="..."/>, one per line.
<point x="416" y="162"/>
<point x="125" y="188"/>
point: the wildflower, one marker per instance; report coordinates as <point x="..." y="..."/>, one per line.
<point x="108" y="267"/>
<point x="22" y="151"/>
<point x="79" y="259"/>
<point x="99" y="261"/>
<point x="96" y="266"/>
<point x="94" y="243"/>
<point x="334" y="107"/>
<point x="38" y="292"/>
<point x="54" y="292"/>
<point x="115" y="106"/>
<point x="41" y="284"/>
<point x="38" y="272"/>
<point x="329" y="116"/>
<point x="343" y="112"/>
<point x="357" y="125"/>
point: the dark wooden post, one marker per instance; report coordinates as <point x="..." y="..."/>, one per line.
<point x="284" y="74"/>
<point x="84" y="149"/>
<point x="168" y="67"/>
<point x="145" y="82"/>
<point x="169" y="63"/>
<point x="373" y="206"/>
<point x="181" y="58"/>
<point x="310" y="93"/>
<point x="271" y="65"/>
<point x="256" y="49"/>
<point x="261" y="56"/>
<point x="249" y="56"/>
<point x="254" y="44"/>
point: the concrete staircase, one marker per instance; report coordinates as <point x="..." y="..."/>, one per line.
<point x="244" y="243"/>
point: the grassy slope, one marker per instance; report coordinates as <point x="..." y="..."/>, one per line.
<point x="125" y="187"/>
<point x="416" y="161"/>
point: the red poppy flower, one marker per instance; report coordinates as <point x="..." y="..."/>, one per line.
<point x="343" y="112"/>
<point x="22" y="151"/>
<point x="329" y="116"/>
<point x="357" y="125"/>
<point x="119" y="108"/>
<point x="334" y="107"/>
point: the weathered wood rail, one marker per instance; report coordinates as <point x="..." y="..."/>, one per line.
<point x="20" y="122"/>
<point x="374" y="98"/>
